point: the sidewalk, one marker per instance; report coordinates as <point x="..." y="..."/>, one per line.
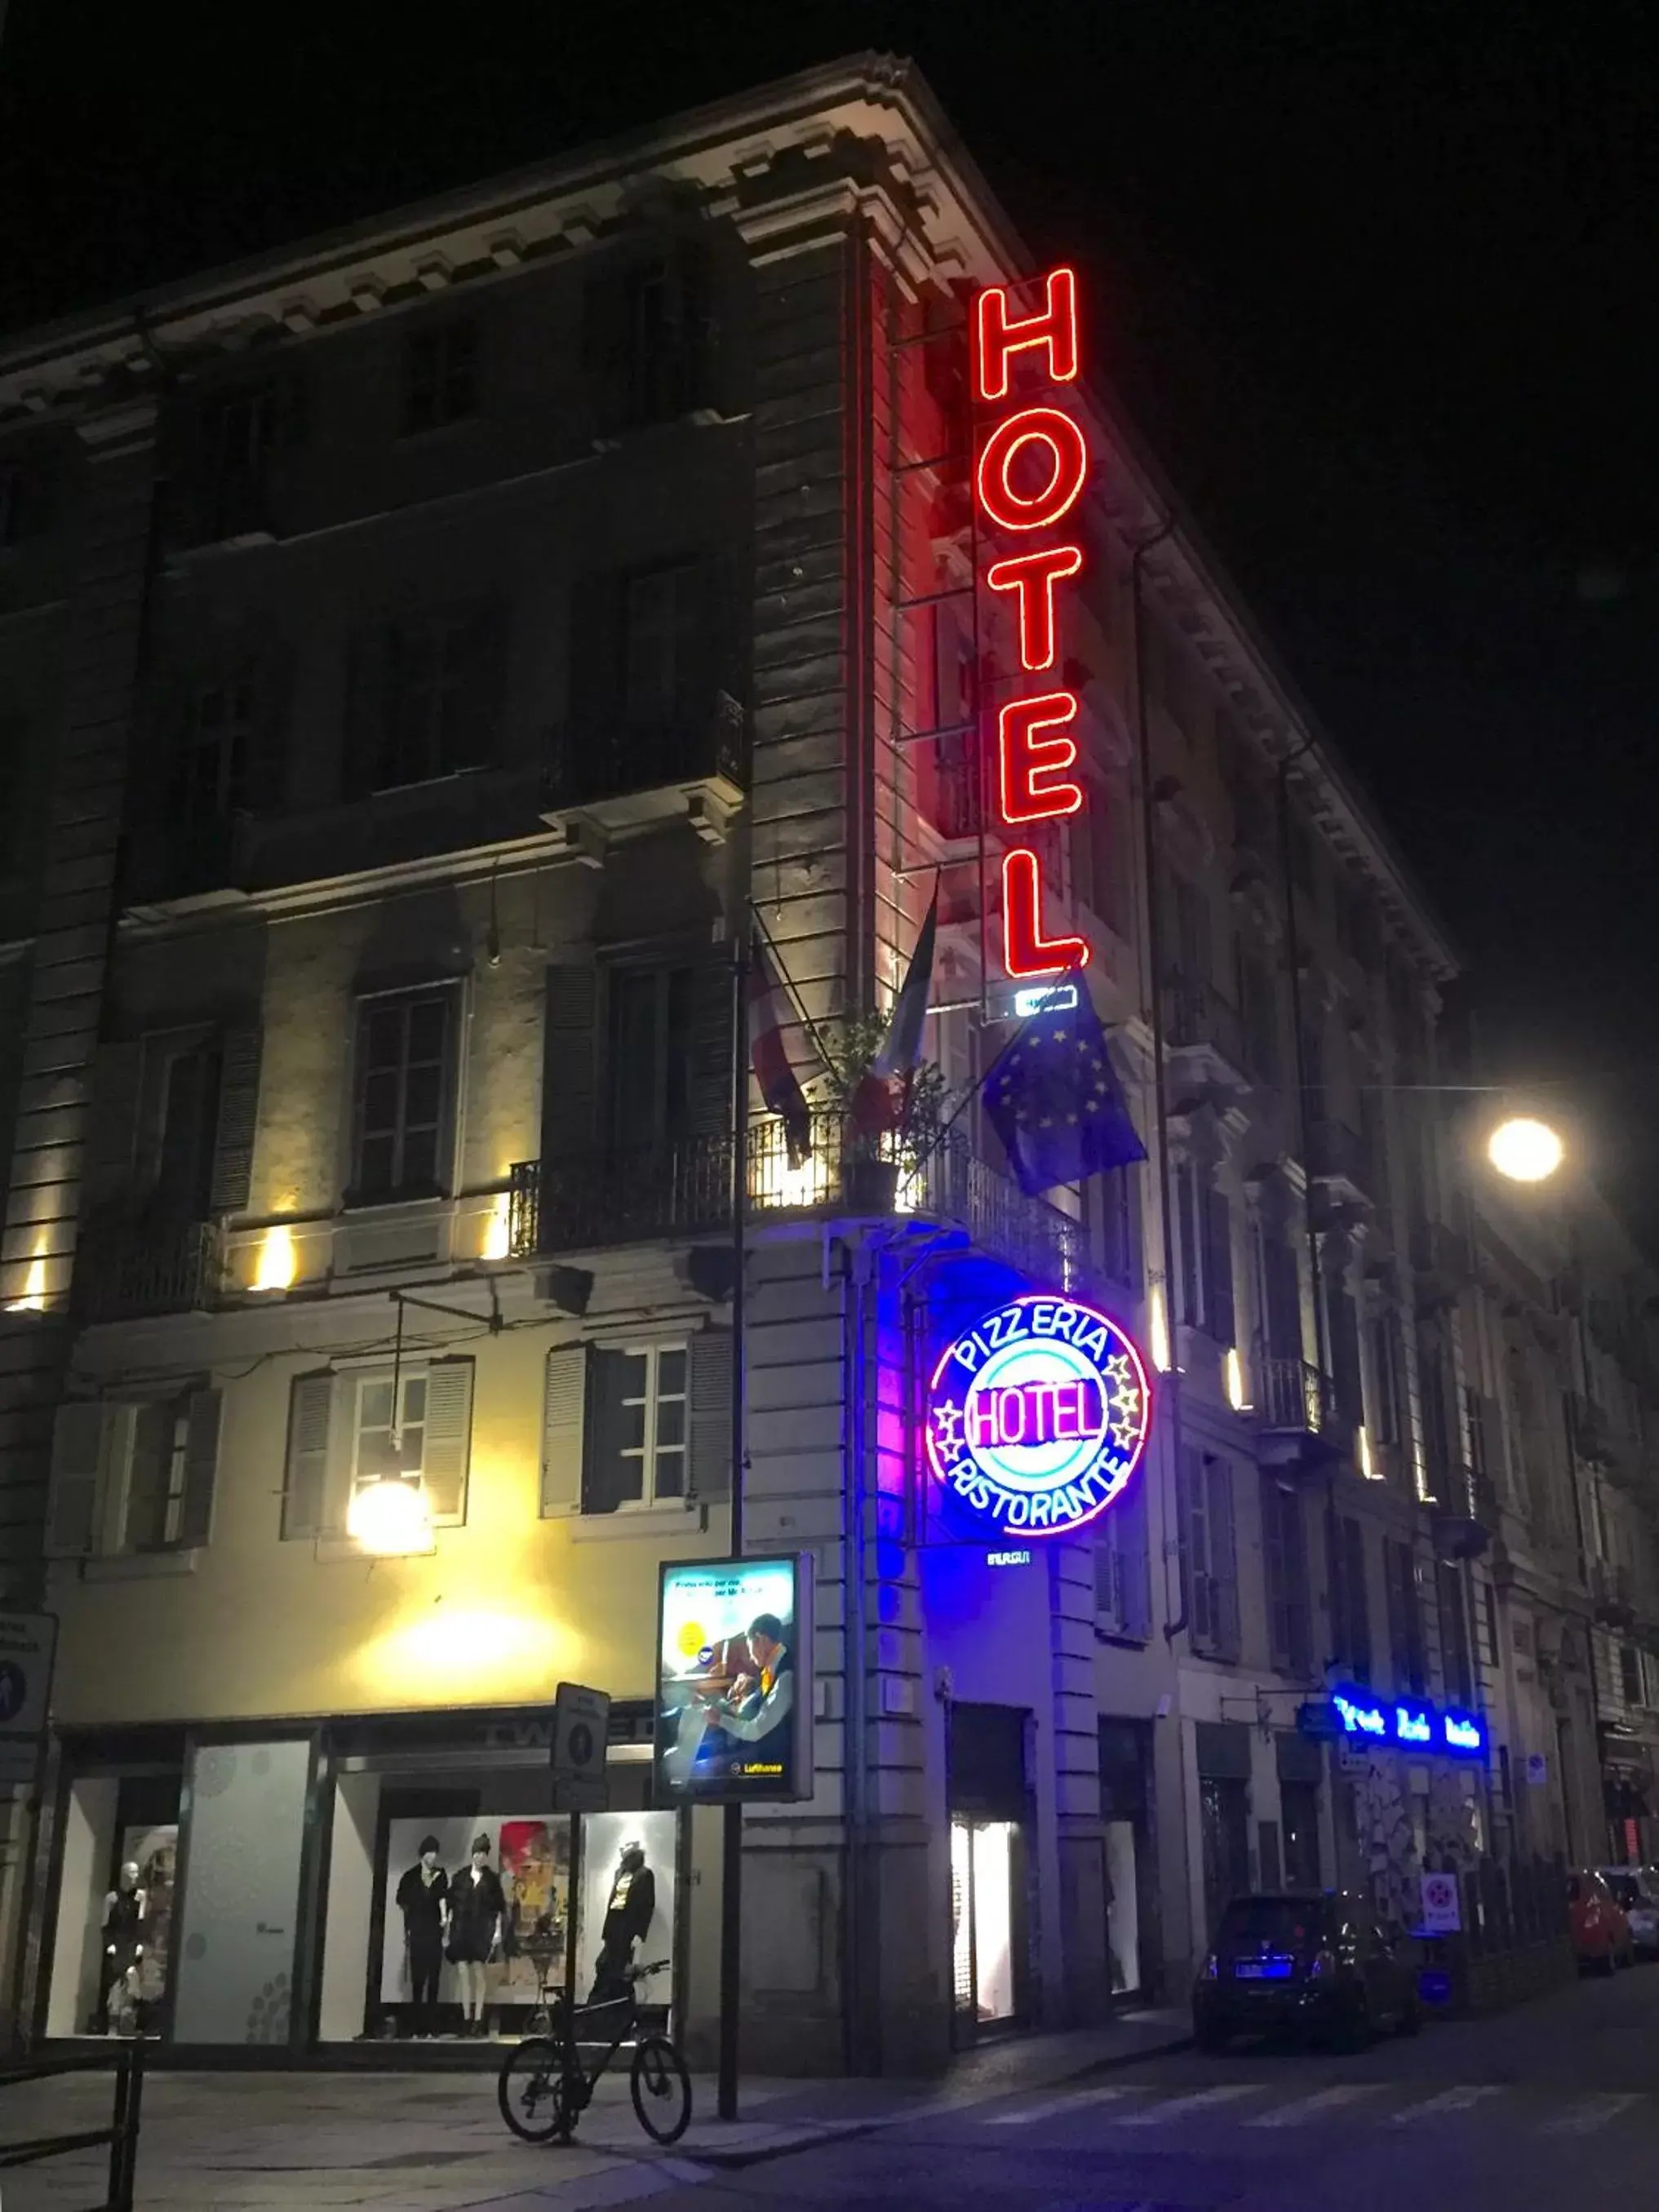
<point x="400" y="2143"/>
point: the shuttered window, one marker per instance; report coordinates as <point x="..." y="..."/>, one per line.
<point x="406" y="1047"/>
<point x="1123" y="1597"/>
<point x="129" y="1477"/>
<point x="628" y="1427"/>
<point x="1208" y="1556"/>
<point x="1284" y="1558"/>
<point x="349" y="1432"/>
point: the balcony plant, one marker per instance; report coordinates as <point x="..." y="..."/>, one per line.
<point x="887" y="1126"/>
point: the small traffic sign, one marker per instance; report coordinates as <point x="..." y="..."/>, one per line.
<point x="1442" y="1908"/>
<point x="27" y="1643"/>
<point x="582" y="1722"/>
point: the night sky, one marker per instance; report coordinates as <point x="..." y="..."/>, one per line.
<point x="1376" y="282"/>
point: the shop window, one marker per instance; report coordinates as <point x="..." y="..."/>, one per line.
<point x="627" y="1427"/>
<point x="1208" y="1557"/>
<point x="440" y="377"/>
<point x="130" y="1479"/>
<point x="348" y="1430"/>
<point x="113" y="1951"/>
<point x="403" y="1087"/>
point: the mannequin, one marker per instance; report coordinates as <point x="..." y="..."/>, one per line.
<point x="124" y="1925"/>
<point x="628" y="1913"/>
<point x="477" y="1908"/>
<point x="424" y="1900"/>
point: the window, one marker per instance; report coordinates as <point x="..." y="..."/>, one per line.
<point x="1205" y="1219"/>
<point x="1189" y="951"/>
<point x="1123" y="1598"/>
<point x="239" y="436"/>
<point x="215" y="746"/>
<point x="1386" y="1376"/>
<point x="443" y="692"/>
<point x="346" y="1431"/>
<point x="647" y="334"/>
<point x="1405" y="1617"/>
<point x="1630" y="1674"/>
<point x="1474" y="1417"/>
<point x="189" y="1131"/>
<point x="440" y="377"/>
<point x="1285" y="1552"/>
<point x="1351" y="1622"/>
<point x="132" y="1478"/>
<point x="1456" y="1674"/>
<point x="1113" y="1199"/>
<point x="637" y="1442"/>
<point x="1259" y="1007"/>
<point x="661" y="616"/>
<point x="649" y="1056"/>
<point x="1281" y="1285"/>
<point x="1209" y="1575"/>
<point x="403" y="1060"/>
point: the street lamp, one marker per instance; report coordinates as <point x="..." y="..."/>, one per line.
<point x="1525" y="1149"/>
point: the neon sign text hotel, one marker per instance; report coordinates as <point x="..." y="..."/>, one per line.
<point x="1032" y="466"/>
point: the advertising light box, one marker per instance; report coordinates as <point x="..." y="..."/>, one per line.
<point x="734" y="1718"/>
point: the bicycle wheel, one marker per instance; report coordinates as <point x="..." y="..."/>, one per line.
<point x="661" y="2089"/>
<point x="531" y="2091"/>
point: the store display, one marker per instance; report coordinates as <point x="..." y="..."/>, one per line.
<point x="153" y="1850"/>
<point x="477" y="1912"/>
<point x="124" y="1951"/>
<point x="532" y="1852"/>
<point x="627" y="1891"/>
<point x="423" y="1899"/>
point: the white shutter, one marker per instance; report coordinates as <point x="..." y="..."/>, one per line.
<point x="448" y="1440"/>
<point x="564" y="1406"/>
<point x="77" y="1458"/>
<point x="710" y="1424"/>
<point x="305" y="1479"/>
<point x="201" y="1466"/>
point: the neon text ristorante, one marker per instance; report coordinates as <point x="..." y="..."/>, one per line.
<point x="1032" y="466"/>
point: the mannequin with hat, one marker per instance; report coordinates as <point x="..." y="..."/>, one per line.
<point x="629" y="1909"/>
<point x="424" y="1900"/>
<point x="478" y="1909"/>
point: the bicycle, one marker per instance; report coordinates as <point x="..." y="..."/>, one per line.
<point x="543" y="2089"/>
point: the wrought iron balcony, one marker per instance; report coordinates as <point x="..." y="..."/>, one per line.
<point x="684" y="1189"/>
<point x="1200" y="1020"/>
<point x="1612" y="1593"/>
<point x="624" y="760"/>
<point x="1336" y="1154"/>
<point x="129" y="1266"/>
<point x="1466" y="1515"/>
<point x="1298" y="1424"/>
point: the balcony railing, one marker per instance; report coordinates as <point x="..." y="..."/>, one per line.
<point x="621" y="759"/>
<point x="1294" y="1397"/>
<point x="1198" y="1017"/>
<point x="1336" y="1153"/>
<point x="684" y="1189"/>
<point x="125" y="1268"/>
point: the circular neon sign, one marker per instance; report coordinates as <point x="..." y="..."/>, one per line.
<point x="1037" y="1415"/>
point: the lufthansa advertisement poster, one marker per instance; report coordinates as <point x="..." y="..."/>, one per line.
<point x="734" y="1717"/>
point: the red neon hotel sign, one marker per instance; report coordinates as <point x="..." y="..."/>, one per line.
<point x="1032" y="466"/>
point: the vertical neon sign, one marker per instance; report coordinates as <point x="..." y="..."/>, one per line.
<point x="1033" y="463"/>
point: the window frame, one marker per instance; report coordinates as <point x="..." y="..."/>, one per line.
<point x="414" y="748"/>
<point x="447" y="996"/>
<point x="441" y="408"/>
<point x="651" y="1448"/>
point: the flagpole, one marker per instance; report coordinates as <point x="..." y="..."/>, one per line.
<point x="732" y="1813"/>
<point x="789" y="984"/>
<point x="976" y="1088"/>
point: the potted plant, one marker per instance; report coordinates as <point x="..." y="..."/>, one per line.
<point x="890" y="1125"/>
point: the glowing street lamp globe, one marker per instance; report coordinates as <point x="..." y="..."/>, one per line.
<point x="389" y="1518"/>
<point x="1524" y="1149"/>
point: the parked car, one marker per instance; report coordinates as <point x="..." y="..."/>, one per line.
<point x="1635" y="1889"/>
<point x="1311" y="1960"/>
<point x="1601" y="1932"/>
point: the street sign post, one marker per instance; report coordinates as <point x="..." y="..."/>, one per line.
<point x="28" y="1643"/>
<point x="1442" y="1906"/>
<point x="581" y="1721"/>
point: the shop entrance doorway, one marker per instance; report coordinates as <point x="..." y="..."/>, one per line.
<point x="986" y="1882"/>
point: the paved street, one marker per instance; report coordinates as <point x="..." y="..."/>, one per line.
<point x="1544" y="2106"/>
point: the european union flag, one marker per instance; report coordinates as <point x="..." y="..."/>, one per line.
<point x="1054" y="1099"/>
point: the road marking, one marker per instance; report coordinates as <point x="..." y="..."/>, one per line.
<point x="1592" y="2112"/>
<point x="1078" y="2100"/>
<point x="1195" y="2100"/>
<point x="1449" y="2100"/>
<point x="1315" y="2107"/>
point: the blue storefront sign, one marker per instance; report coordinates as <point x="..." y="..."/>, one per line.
<point x="1400" y="1723"/>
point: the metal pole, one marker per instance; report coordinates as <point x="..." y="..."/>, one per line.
<point x="732" y="1831"/>
<point x="572" y="1910"/>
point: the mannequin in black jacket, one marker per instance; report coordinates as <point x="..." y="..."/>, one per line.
<point x="630" y="1910"/>
<point x="477" y="1908"/>
<point x="424" y="1900"/>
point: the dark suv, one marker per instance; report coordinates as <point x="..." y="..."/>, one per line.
<point x="1311" y="1960"/>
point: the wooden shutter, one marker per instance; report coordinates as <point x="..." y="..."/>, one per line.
<point x="231" y="1184"/>
<point x="709" y="1460"/>
<point x="202" y="1415"/>
<point x="1128" y="1523"/>
<point x="448" y="1440"/>
<point x="363" y="746"/>
<point x="708" y="1089"/>
<point x="1224" y="1563"/>
<point x="570" y="1052"/>
<point x="77" y="1460"/>
<point x="1217" y="1232"/>
<point x="1190" y="1309"/>
<point x="564" y="1406"/>
<point x="305" y="1479"/>
<point x="114" y="1119"/>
